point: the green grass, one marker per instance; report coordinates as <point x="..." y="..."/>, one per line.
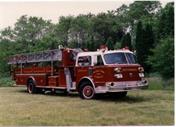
<point x="144" y="107"/>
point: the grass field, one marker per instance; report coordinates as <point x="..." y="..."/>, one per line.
<point x="144" y="107"/>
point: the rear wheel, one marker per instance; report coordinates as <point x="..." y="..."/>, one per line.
<point x="86" y="91"/>
<point x="31" y="87"/>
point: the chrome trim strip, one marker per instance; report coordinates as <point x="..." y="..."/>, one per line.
<point x="32" y="74"/>
<point x="51" y="87"/>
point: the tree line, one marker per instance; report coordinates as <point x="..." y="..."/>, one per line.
<point x="145" y="27"/>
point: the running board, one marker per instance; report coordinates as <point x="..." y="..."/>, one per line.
<point x="51" y="87"/>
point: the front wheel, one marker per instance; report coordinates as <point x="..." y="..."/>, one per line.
<point x="86" y="91"/>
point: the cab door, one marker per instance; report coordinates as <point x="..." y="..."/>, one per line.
<point x="83" y="67"/>
<point x="99" y="74"/>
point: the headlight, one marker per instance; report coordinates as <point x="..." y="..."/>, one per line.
<point x="140" y="69"/>
<point x="117" y="70"/>
<point x="118" y="75"/>
<point x="141" y="75"/>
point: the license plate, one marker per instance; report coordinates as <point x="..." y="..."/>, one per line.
<point x="120" y="86"/>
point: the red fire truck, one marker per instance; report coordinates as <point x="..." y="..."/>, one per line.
<point x="88" y="73"/>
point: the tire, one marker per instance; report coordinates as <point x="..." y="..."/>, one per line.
<point x="31" y="87"/>
<point x="86" y="91"/>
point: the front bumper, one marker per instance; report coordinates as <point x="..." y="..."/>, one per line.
<point x="122" y="86"/>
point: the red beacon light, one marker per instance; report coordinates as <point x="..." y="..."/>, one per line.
<point x="125" y="48"/>
<point x="103" y="48"/>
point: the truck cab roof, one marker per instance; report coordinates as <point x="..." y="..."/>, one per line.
<point x="102" y="52"/>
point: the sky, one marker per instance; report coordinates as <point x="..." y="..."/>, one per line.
<point x="10" y="11"/>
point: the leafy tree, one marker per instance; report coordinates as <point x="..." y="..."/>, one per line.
<point x="126" y="41"/>
<point x="106" y="26"/>
<point x="166" y="21"/>
<point x="144" y="44"/>
<point x="49" y="41"/>
<point x="117" y="45"/>
<point x="109" y="44"/>
<point x="7" y="34"/>
<point x="7" y="48"/>
<point x="141" y="9"/>
<point x="62" y="29"/>
<point x="162" y="60"/>
<point x="144" y="11"/>
<point x="80" y="31"/>
<point x="139" y="43"/>
<point x="30" y="30"/>
<point x="148" y="44"/>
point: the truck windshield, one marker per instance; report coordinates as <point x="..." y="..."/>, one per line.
<point x="120" y="58"/>
<point x="131" y="58"/>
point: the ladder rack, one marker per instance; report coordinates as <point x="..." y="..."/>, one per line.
<point x="48" y="55"/>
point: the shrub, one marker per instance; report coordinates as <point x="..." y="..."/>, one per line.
<point x="162" y="60"/>
<point x="6" y="81"/>
<point x="157" y="83"/>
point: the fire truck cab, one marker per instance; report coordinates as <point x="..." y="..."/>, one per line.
<point x="88" y="73"/>
<point x="108" y="71"/>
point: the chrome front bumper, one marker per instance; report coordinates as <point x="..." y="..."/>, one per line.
<point x="122" y="86"/>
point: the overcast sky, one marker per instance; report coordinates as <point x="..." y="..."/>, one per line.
<point x="10" y="11"/>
